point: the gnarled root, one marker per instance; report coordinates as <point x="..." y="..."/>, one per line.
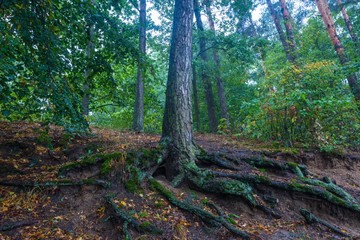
<point x="55" y="183"/>
<point x="208" y="217"/>
<point x="127" y="219"/>
<point x="311" y="218"/>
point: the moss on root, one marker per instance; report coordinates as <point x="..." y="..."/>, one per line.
<point x="206" y="216"/>
<point x="90" y="160"/>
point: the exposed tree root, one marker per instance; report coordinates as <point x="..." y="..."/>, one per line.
<point x="311" y="218"/>
<point x="217" y="160"/>
<point x="292" y="186"/>
<point x="10" y="226"/>
<point x="206" y="216"/>
<point x="127" y="219"/>
<point x="55" y="183"/>
<point x="204" y="180"/>
<point x="324" y="189"/>
<point x="91" y="160"/>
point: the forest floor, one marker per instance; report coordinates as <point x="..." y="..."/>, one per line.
<point x="36" y="203"/>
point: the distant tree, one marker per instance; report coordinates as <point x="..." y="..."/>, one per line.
<point x="196" y="98"/>
<point x="280" y="31"/>
<point x="138" y="121"/>
<point x="90" y="48"/>
<point x="324" y="10"/>
<point x="289" y="29"/>
<point x="349" y="25"/>
<point x="209" y="96"/>
<point x="216" y="57"/>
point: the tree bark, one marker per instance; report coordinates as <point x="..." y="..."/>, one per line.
<point x="280" y="32"/>
<point x="138" y="121"/>
<point x="324" y="10"/>
<point x="349" y="26"/>
<point x="177" y="134"/>
<point x="289" y="29"/>
<point x="219" y="81"/>
<point x="90" y="48"/>
<point x="196" y="98"/>
<point x="209" y="96"/>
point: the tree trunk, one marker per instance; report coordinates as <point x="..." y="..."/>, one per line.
<point x="340" y="51"/>
<point x="349" y="26"/>
<point x="280" y="32"/>
<point x="219" y="81"/>
<point x="209" y="96"/>
<point x="90" y="48"/>
<point x="138" y="121"/>
<point x="196" y="99"/>
<point x="289" y="29"/>
<point x="177" y="132"/>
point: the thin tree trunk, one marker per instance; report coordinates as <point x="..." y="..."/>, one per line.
<point x="219" y="81"/>
<point x="340" y="51"/>
<point x="349" y="26"/>
<point x="280" y="32"/>
<point x="177" y="123"/>
<point x="209" y="96"/>
<point x="289" y="29"/>
<point x="196" y="99"/>
<point x="90" y="48"/>
<point x="138" y="121"/>
<point x="260" y="49"/>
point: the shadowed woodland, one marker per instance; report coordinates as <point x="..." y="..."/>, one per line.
<point x="183" y="119"/>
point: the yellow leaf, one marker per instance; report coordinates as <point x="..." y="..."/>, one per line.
<point x="122" y="204"/>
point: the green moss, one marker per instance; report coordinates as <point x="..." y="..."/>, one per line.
<point x="204" y="201"/>
<point x="143" y="214"/>
<point x="232" y="221"/>
<point x="132" y="186"/>
<point x="292" y="164"/>
<point x="262" y="179"/>
<point x="106" y="167"/>
<point x="92" y="160"/>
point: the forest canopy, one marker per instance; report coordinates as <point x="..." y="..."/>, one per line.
<point x="268" y="70"/>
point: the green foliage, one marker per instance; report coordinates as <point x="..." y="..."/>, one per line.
<point x="311" y="104"/>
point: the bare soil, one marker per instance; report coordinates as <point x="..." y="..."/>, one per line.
<point x="29" y="153"/>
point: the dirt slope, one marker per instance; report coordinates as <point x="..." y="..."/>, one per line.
<point x="30" y="154"/>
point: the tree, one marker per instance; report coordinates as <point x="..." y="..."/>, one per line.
<point x="289" y="29"/>
<point x="177" y="131"/>
<point x="324" y="10"/>
<point x="90" y="48"/>
<point x="196" y="98"/>
<point x="219" y="81"/>
<point x="280" y="31"/>
<point x="138" y="121"/>
<point x="209" y="96"/>
<point x="349" y="25"/>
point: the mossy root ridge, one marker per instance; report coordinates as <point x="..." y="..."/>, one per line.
<point x="310" y="218"/>
<point x="55" y="183"/>
<point x="208" y="217"/>
<point x="324" y="189"/>
<point x="127" y="219"/>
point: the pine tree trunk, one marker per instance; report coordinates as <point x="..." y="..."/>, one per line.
<point x="138" y="121"/>
<point x="196" y="98"/>
<point x="349" y="26"/>
<point x="177" y="132"/>
<point x="219" y="81"/>
<point x="289" y="30"/>
<point x="209" y="96"/>
<point x="280" y="32"/>
<point x="340" y="50"/>
<point x="90" y="48"/>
